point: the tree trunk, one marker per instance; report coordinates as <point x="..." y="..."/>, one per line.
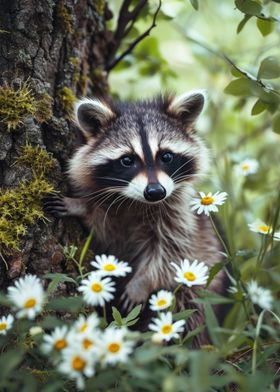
<point x="51" y="51"/>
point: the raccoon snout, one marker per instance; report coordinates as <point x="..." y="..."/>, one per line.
<point x="154" y="192"/>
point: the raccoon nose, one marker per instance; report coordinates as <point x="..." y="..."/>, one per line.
<point x="154" y="192"/>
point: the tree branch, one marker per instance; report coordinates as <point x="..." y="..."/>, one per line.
<point x="130" y="48"/>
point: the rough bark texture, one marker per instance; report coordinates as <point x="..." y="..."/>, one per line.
<point x="53" y="45"/>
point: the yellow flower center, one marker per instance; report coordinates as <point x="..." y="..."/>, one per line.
<point x="30" y="303"/>
<point x="96" y="287"/>
<point x="166" y="329"/>
<point x="245" y="167"/>
<point x="78" y="364"/>
<point x="189" y="276"/>
<point x="264" y="228"/>
<point x="161" y="302"/>
<point x="83" y="328"/>
<point x="207" y="200"/>
<point x="3" y="326"/>
<point x="87" y="343"/>
<point x="114" y="347"/>
<point x="60" y="344"/>
<point x="109" y="267"/>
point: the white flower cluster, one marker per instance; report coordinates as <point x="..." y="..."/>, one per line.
<point x="98" y="287"/>
<point x="188" y="274"/>
<point x="77" y="351"/>
<point x="259" y="295"/>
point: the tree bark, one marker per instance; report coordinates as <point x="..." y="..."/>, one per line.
<point x="58" y="49"/>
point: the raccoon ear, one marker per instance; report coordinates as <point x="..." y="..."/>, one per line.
<point x="92" y="114"/>
<point x="188" y="106"/>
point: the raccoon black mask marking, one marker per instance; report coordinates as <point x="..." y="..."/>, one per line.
<point x="134" y="179"/>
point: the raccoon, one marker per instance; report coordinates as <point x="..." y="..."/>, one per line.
<point x="133" y="180"/>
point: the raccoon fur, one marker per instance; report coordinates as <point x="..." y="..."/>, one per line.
<point x="133" y="180"/>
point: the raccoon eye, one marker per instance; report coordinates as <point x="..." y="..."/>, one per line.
<point x="127" y="161"/>
<point x="167" y="157"/>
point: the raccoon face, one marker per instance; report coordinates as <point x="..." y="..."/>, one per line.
<point x="143" y="151"/>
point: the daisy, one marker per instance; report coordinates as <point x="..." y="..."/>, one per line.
<point x="208" y="203"/>
<point x="161" y="300"/>
<point x="77" y="364"/>
<point x="109" y="265"/>
<point x="86" y="341"/>
<point x="6" y="323"/>
<point x="258" y="226"/>
<point x="27" y="296"/>
<point x="164" y="327"/>
<point x="56" y="341"/>
<point x="191" y="274"/>
<point x="259" y="295"/>
<point x="85" y="324"/>
<point x="97" y="290"/>
<point x="114" y="346"/>
<point x="247" y="167"/>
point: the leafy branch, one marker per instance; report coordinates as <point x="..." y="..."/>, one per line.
<point x="126" y="21"/>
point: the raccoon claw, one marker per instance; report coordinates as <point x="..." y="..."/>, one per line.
<point x="127" y="304"/>
<point x="54" y="204"/>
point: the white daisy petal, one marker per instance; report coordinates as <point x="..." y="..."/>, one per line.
<point x="27" y="296"/>
<point x="97" y="290"/>
<point x="109" y="265"/>
<point x="164" y="327"/>
<point x="247" y="167"/>
<point x="6" y="323"/>
<point x="259" y="295"/>
<point x="208" y="203"/>
<point x="115" y="346"/>
<point x="191" y="274"/>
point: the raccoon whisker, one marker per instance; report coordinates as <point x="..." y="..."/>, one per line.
<point x="101" y="191"/>
<point x="124" y="199"/>
<point x="113" y="179"/>
<point x="107" y="211"/>
<point x="185" y="177"/>
<point x="100" y="196"/>
<point x="105" y="197"/>
<point x="180" y="167"/>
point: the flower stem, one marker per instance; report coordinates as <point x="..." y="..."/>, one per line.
<point x="84" y="252"/>
<point x="219" y="236"/>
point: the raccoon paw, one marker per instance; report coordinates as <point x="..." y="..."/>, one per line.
<point x="54" y="204"/>
<point x="132" y="297"/>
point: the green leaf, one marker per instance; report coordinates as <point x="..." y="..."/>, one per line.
<point x="212" y="324"/>
<point x="240" y="87"/>
<point x="117" y="316"/>
<point x="276" y="123"/>
<point x="195" y="4"/>
<point x="134" y="313"/>
<point x="70" y="304"/>
<point x="184" y="314"/>
<point x="213" y="272"/>
<point x="269" y="68"/>
<point x="9" y="361"/>
<point x="50" y="322"/>
<point x="210" y="297"/>
<point x="56" y="279"/>
<point x="249" y="7"/>
<point x="258" y="107"/>
<point x="265" y="26"/>
<point x="193" y="333"/>
<point x="243" y="23"/>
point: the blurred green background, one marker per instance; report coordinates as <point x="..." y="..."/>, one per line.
<point x="185" y="51"/>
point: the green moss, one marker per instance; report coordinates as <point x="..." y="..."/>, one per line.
<point x="100" y="6"/>
<point x="65" y="17"/>
<point x="37" y="158"/>
<point x="75" y="61"/>
<point x="67" y="99"/>
<point x="21" y="207"/>
<point x="43" y="109"/>
<point x="17" y="103"/>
